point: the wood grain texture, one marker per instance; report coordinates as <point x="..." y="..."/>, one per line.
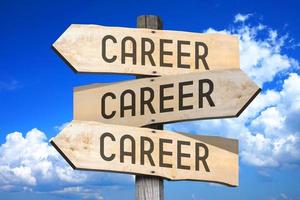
<point x="79" y="143"/>
<point x="81" y="47"/>
<point x="149" y="22"/>
<point x="233" y="91"/>
<point x="149" y="187"/>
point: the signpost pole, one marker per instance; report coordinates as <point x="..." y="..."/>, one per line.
<point x="149" y="187"/>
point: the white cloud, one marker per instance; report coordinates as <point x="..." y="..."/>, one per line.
<point x="282" y="143"/>
<point x="284" y="196"/>
<point x="9" y="85"/>
<point x="30" y="163"/>
<point x="67" y="174"/>
<point x="24" y="158"/>
<point x="61" y="127"/>
<point x="269" y="120"/>
<point x="85" y="193"/>
<point x="241" y="18"/>
<point x="262" y="59"/>
<point x="268" y="130"/>
<point x="281" y="196"/>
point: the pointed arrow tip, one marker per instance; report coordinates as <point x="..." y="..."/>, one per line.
<point x="62" y="154"/>
<point x="55" y="49"/>
<point x="248" y="102"/>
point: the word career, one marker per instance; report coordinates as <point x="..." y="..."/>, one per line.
<point x="202" y="95"/>
<point x="160" y="99"/>
<point x="100" y="49"/>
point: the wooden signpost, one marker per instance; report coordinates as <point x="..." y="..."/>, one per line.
<point x="100" y="49"/>
<point x="149" y="187"/>
<point x="174" y="156"/>
<point x="201" y="95"/>
<point x="200" y="79"/>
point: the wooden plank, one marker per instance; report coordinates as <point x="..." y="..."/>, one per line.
<point x="149" y="187"/>
<point x="206" y="95"/>
<point x="174" y="156"/>
<point x="92" y="49"/>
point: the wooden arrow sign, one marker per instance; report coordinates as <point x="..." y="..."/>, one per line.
<point x="100" y="49"/>
<point x="205" y="95"/>
<point x="175" y="156"/>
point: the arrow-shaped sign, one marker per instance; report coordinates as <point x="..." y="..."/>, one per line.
<point x="100" y="49"/>
<point x="175" y="156"/>
<point x="203" y="95"/>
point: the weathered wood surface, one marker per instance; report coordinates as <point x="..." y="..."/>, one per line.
<point x="149" y="187"/>
<point x="86" y="145"/>
<point x="230" y="93"/>
<point x="81" y="46"/>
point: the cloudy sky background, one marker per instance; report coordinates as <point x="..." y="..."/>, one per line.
<point x="36" y="99"/>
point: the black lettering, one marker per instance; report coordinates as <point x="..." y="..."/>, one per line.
<point x="124" y="153"/>
<point x="180" y="154"/>
<point x="164" y="98"/>
<point x="201" y="57"/>
<point x="164" y="53"/>
<point x="147" y="102"/>
<point x="201" y="158"/>
<point x="105" y="58"/>
<point x="148" y="53"/>
<point x="128" y="54"/>
<point x="102" y="138"/>
<point x="162" y="153"/>
<point x="128" y="107"/>
<point x="147" y="152"/>
<point x="182" y="95"/>
<point x="182" y="54"/>
<point x="103" y="113"/>
<point x="206" y="94"/>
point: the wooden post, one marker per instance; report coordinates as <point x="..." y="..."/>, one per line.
<point x="149" y="187"/>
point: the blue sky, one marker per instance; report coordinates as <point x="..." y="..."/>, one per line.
<point x="36" y="96"/>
